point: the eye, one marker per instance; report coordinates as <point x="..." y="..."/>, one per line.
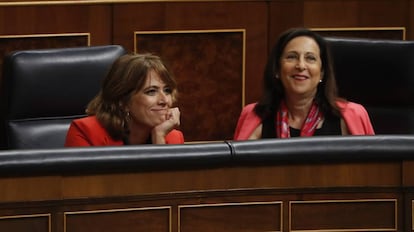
<point x="168" y="90"/>
<point x="151" y="91"/>
<point x="291" y="56"/>
<point x="311" y="58"/>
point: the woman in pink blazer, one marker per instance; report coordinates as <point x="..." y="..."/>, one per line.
<point x="300" y="94"/>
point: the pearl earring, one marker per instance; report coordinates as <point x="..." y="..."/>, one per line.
<point x="127" y="116"/>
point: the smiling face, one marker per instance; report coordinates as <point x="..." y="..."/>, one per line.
<point x="301" y="66"/>
<point x="148" y="107"/>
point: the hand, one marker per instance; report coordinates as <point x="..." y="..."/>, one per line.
<point x="172" y="120"/>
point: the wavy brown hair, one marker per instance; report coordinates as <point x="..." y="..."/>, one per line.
<point x="125" y="78"/>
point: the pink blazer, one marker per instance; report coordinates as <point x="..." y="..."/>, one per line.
<point x="355" y="116"/>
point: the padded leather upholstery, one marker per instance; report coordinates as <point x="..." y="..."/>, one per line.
<point x="380" y="75"/>
<point x="46" y="89"/>
<point x="206" y="155"/>
<point x="321" y="149"/>
<point x="113" y="158"/>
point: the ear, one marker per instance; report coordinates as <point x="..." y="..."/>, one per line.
<point x="123" y="107"/>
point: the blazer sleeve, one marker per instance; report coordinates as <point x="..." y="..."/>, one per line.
<point x="88" y="131"/>
<point x="247" y="123"/>
<point x="239" y="126"/>
<point x="174" y="137"/>
<point x="75" y="137"/>
<point x="356" y="118"/>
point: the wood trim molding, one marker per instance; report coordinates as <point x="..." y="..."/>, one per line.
<point x="361" y="30"/>
<point x="220" y="208"/>
<point x="30" y="216"/>
<point x="75" y="2"/>
<point x="87" y="34"/>
<point x="84" y="213"/>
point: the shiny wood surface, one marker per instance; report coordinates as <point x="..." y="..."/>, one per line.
<point x="187" y="198"/>
<point x="275" y="177"/>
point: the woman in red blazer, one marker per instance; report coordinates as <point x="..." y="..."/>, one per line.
<point x="134" y="106"/>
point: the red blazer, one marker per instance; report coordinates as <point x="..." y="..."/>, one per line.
<point x="89" y="132"/>
<point x="355" y="116"/>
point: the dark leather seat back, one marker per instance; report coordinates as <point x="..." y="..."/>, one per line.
<point x="46" y="89"/>
<point x="380" y="75"/>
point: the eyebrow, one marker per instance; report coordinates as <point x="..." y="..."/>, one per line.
<point x="296" y="52"/>
<point x="155" y="86"/>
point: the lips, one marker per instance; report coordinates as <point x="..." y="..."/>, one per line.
<point x="160" y="111"/>
<point x="299" y="77"/>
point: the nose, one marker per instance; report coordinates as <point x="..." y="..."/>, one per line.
<point x="162" y="98"/>
<point x="301" y="64"/>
